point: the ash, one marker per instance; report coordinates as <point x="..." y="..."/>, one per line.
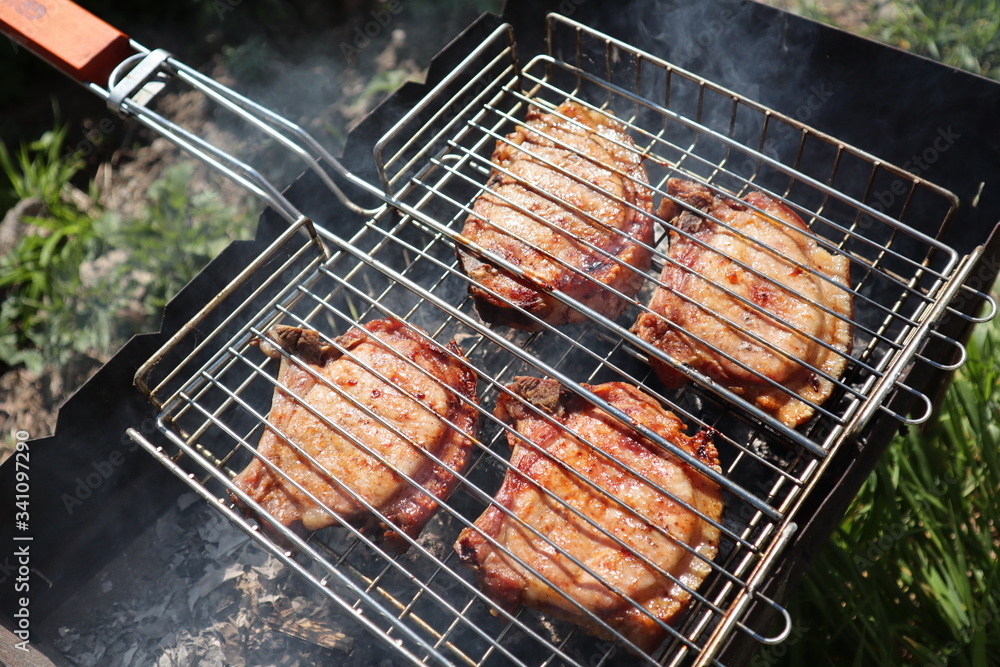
<point x="194" y="589"/>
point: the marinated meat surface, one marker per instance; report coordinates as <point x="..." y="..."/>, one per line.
<point x="629" y="531"/>
<point x="559" y="205"/>
<point x="788" y="320"/>
<point x="400" y="418"/>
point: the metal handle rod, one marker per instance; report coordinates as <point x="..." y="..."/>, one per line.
<point x="309" y="150"/>
<point x="290" y="135"/>
<point x="240" y="172"/>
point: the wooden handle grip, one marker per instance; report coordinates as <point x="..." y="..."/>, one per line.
<point x="67" y="36"/>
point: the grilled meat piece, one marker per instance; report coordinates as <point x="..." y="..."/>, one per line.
<point x="797" y="301"/>
<point x="559" y="205"/>
<point x="580" y="457"/>
<point x="423" y="386"/>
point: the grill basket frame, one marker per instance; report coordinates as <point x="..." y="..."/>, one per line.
<point x="200" y="378"/>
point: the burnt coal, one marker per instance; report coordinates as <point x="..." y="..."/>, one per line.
<point x="194" y="589"/>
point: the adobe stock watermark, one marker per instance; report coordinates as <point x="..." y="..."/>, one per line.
<point x="93" y="136"/>
<point x="603" y="654"/>
<point x="877" y="547"/>
<point x="567" y="7"/>
<point x="382" y="18"/>
<point x="976" y="284"/>
<point x="883" y="200"/>
<point x="223" y="7"/>
<point x="918" y="164"/>
<point x="980" y="620"/>
<point x="819" y="95"/>
<point x="771" y="655"/>
<point x="705" y="38"/>
<point x="21" y="565"/>
<point x="101" y="470"/>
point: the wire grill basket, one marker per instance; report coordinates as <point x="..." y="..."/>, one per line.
<point x="214" y="387"/>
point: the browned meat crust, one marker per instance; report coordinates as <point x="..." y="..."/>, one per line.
<point x="425" y="386"/>
<point x="653" y="532"/>
<point x="553" y="170"/>
<point x="782" y="303"/>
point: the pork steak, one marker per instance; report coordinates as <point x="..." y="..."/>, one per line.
<point x="330" y="404"/>
<point x="779" y="334"/>
<point x="608" y="533"/>
<point x="567" y="202"/>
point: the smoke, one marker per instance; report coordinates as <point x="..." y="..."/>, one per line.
<point x="729" y="44"/>
<point x="328" y="77"/>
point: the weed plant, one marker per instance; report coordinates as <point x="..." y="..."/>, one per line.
<point x="40" y="275"/>
<point x="958" y="33"/>
<point x="911" y="576"/>
<point x="49" y="311"/>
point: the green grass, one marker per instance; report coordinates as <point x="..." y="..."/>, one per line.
<point x="177" y="234"/>
<point x="48" y="312"/>
<point x="911" y="575"/>
<point x="961" y="34"/>
<point x="41" y="273"/>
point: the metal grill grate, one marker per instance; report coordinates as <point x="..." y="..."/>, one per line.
<point x="214" y="387"/>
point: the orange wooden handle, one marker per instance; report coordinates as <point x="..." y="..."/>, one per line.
<point x="67" y="36"/>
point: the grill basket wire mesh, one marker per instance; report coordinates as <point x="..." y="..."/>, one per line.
<point x="214" y="387"/>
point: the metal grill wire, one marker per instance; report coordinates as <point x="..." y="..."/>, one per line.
<point x="216" y="407"/>
<point x="402" y="265"/>
<point x="732" y="146"/>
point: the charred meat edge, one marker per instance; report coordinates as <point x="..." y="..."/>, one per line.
<point x="410" y="509"/>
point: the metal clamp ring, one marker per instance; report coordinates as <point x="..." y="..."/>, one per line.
<point x="982" y="319"/>
<point x="148" y="66"/>
<point x="785" y="631"/>
<point x="912" y="421"/>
